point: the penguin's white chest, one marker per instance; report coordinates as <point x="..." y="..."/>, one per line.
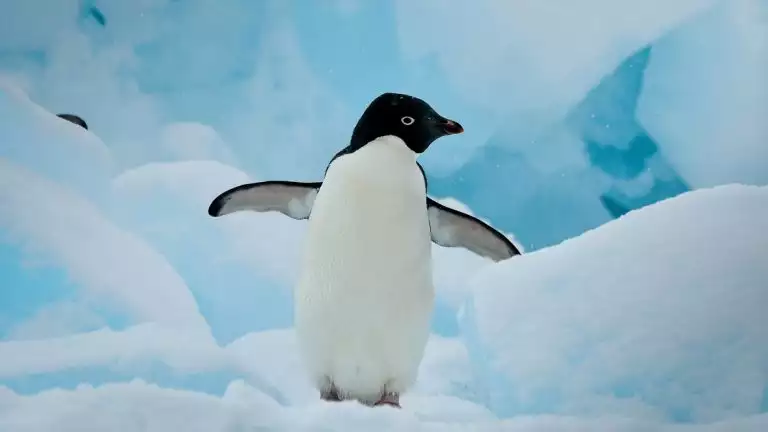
<point x="364" y="298"/>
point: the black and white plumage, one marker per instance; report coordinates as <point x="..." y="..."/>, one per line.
<point x="364" y="295"/>
<point x="448" y="227"/>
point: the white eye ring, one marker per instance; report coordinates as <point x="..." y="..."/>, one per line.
<point x="407" y="120"/>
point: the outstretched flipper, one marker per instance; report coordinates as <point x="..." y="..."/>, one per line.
<point x="449" y="227"/>
<point x="452" y="228"/>
<point x="293" y="199"/>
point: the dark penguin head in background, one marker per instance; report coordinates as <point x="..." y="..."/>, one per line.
<point x="74" y="119"/>
<point x="407" y="117"/>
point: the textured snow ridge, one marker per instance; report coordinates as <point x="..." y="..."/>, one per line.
<point x="139" y="406"/>
<point x="107" y="261"/>
<point x="659" y="314"/>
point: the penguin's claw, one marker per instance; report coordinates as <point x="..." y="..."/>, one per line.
<point x="391" y="399"/>
<point x="331" y="395"/>
<point x="386" y="402"/>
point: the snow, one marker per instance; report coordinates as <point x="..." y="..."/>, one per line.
<point x="112" y="265"/>
<point x="137" y="405"/>
<point x="660" y="313"/>
<point x="559" y="49"/>
<point x="712" y="125"/>
<point x="124" y="306"/>
<point x="180" y="349"/>
<point x="195" y="141"/>
<point x="28" y="130"/>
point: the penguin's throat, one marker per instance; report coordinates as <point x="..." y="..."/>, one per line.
<point x="384" y="162"/>
<point x="390" y="146"/>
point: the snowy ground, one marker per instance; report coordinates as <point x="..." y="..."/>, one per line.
<point x="138" y="406"/>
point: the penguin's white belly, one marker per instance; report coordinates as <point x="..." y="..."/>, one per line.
<point x="364" y="298"/>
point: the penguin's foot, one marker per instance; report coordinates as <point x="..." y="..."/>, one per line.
<point x="389" y="398"/>
<point x="331" y="394"/>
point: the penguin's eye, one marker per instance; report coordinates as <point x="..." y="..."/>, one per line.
<point x="407" y="120"/>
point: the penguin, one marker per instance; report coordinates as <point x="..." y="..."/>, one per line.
<point x="72" y="118"/>
<point x="364" y="295"/>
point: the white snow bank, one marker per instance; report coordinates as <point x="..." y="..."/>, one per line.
<point x="35" y="138"/>
<point x="194" y="141"/>
<point x="444" y="370"/>
<point x="110" y="264"/>
<point x="268" y="360"/>
<point x="169" y="201"/>
<point x="195" y="180"/>
<point x="263" y="359"/>
<point x="183" y="351"/>
<point x="273" y="356"/>
<point x="138" y="406"/>
<point x="660" y="313"/>
<point x="453" y="267"/>
<point x="654" y="317"/>
<point x="57" y="319"/>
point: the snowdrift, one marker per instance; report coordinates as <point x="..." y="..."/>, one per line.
<point x="658" y="314"/>
<point x="650" y="321"/>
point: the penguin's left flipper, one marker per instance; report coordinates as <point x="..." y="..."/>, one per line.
<point x="293" y="199"/>
<point x="452" y="228"/>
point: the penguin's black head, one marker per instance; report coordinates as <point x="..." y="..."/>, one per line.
<point x="406" y="117"/>
<point x="74" y="119"/>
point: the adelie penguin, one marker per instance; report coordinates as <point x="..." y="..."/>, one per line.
<point x="364" y="296"/>
<point x="74" y="119"/>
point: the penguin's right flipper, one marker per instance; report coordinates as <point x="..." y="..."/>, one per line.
<point x="293" y="199"/>
<point x="452" y="228"/>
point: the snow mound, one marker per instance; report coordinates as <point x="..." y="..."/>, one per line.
<point x="181" y="349"/>
<point x="35" y="138"/>
<point x="111" y="265"/>
<point x="659" y="314"/>
<point x="137" y="405"/>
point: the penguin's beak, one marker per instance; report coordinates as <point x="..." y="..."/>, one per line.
<point x="450" y="127"/>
